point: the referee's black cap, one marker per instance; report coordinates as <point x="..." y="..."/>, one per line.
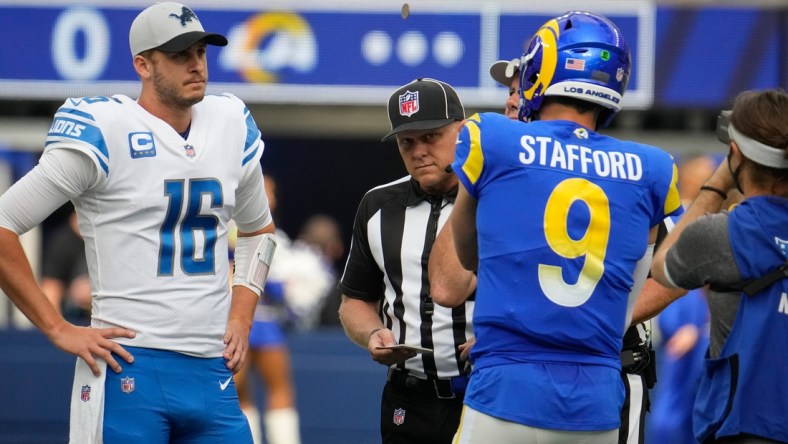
<point x="423" y="104"/>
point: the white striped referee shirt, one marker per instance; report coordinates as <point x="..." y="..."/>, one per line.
<point x="393" y="233"/>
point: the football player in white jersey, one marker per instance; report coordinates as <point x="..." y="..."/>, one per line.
<point x="155" y="182"/>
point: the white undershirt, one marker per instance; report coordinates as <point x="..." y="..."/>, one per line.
<point x="60" y="175"/>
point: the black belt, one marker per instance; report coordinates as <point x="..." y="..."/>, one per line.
<point x="636" y="359"/>
<point x="640" y="361"/>
<point x="442" y="388"/>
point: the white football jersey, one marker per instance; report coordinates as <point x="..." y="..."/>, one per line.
<point x="155" y="222"/>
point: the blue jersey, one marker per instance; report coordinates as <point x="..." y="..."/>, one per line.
<point x="563" y="217"/>
<point x="744" y="390"/>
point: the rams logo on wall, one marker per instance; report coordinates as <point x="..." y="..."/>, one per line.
<point x="268" y="43"/>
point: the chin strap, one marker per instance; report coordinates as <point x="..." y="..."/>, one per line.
<point x="735" y="173"/>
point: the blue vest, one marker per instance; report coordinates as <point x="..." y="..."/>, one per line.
<point x="745" y="390"/>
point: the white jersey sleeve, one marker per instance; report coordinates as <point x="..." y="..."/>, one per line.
<point x="251" y="211"/>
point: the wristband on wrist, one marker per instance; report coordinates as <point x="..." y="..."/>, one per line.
<point x="722" y="194"/>
<point x="374" y="330"/>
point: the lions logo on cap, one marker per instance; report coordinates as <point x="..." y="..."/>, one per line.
<point x="409" y="103"/>
<point x="186" y="16"/>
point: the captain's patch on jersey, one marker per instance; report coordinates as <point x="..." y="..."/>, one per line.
<point x="141" y="145"/>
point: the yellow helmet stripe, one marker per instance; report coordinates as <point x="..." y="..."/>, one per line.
<point x="548" y="36"/>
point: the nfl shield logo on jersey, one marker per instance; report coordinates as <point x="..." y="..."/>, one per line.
<point x="189" y="151"/>
<point x="127" y="385"/>
<point x="399" y="416"/>
<point x="409" y="103"/>
<point x="85" y="396"/>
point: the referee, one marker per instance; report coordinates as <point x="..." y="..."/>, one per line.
<point x="385" y="287"/>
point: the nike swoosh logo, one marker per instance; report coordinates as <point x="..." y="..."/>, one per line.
<point x="223" y="385"/>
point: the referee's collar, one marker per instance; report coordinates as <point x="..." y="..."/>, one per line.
<point x="416" y="195"/>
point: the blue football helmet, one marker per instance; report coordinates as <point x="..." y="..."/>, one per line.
<point x="580" y="55"/>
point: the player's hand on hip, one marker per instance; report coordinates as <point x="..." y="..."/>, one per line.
<point x="465" y="349"/>
<point x="90" y="343"/>
<point x="236" y="340"/>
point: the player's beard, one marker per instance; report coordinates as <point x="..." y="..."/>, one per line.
<point x="169" y="95"/>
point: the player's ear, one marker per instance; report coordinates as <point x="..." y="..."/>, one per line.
<point x="733" y="150"/>
<point x="142" y="65"/>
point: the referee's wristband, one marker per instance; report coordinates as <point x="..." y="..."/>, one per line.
<point x="374" y="330"/>
<point x="721" y="193"/>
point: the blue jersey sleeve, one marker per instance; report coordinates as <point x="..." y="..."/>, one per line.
<point x="665" y="187"/>
<point x="480" y="140"/>
<point x="253" y="147"/>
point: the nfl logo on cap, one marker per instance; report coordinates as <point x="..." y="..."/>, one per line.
<point x="409" y="103"/>
<point x="423" y="104"/>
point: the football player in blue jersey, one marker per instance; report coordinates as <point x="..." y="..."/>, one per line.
<point x="155" y="182"/>
<point x="559" y="222"/>
<point x="638" y="363"/>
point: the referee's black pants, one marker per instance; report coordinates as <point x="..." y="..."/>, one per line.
<point x="412" y="412"/>
<point x="634" y="407"/>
